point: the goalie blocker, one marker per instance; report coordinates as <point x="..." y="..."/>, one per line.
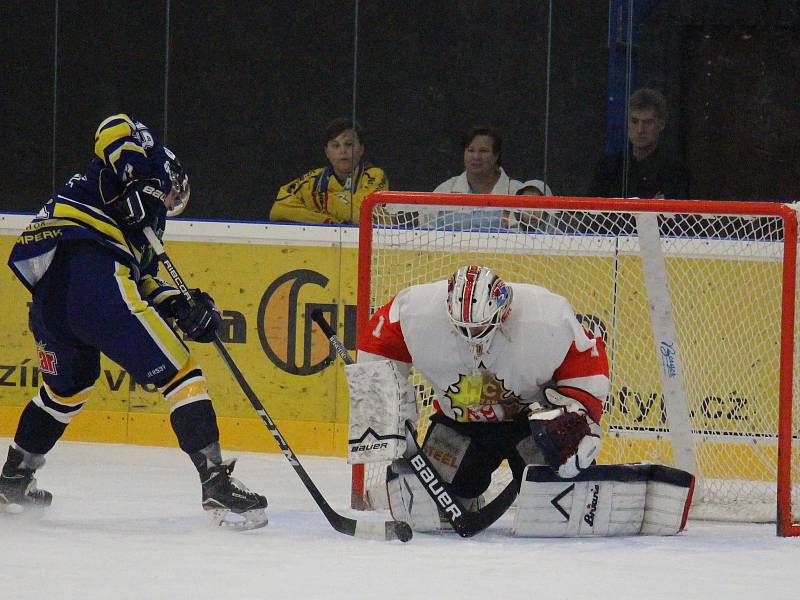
<point x="604" y="500"/>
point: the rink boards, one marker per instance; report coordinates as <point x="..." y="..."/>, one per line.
<point x="268" y="277"/>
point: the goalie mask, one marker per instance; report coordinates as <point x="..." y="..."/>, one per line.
<point x="478" y="302"/>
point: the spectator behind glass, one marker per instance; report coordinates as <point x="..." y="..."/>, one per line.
<point x="653" y="171"/>
<point x="482" y="174"/>
<point x="534" y="220"/>
<point x="332" y="194"/>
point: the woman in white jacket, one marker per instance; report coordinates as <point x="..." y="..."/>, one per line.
<point x="482" y="174"/>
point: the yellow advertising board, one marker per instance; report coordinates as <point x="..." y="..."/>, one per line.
<point x="266" y="292"/>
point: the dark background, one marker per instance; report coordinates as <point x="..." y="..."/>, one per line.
<point x="241" y="90"/>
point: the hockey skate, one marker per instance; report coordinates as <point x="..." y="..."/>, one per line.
<point x="228" y="501"/>
<point x="18" y="491"/>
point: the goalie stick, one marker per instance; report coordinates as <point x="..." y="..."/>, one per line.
<point x="387" y="530"/>
<point x="465" y="523"/>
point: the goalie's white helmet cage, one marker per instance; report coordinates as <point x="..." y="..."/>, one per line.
<point x="478" y="302"/>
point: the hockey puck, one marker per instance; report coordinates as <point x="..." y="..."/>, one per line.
<point x="403" y="531"/>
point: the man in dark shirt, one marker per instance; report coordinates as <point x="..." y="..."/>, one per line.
<point x="653" y="171"/>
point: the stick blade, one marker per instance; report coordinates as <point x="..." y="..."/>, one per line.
<point x="383" y="530"/>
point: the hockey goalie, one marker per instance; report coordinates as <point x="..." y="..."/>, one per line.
<point x="515" y="377"/>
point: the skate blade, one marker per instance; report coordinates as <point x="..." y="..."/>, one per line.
<point x="227" y="519"/>
<point x="14" y="510"/>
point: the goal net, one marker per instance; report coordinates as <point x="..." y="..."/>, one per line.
<point x="695" y="300"/>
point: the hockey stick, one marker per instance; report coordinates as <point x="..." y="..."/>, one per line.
<point x="387" y="530"/>
<point x="465" y="523"/>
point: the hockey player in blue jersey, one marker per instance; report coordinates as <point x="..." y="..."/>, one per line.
<point x="92" y="277"/>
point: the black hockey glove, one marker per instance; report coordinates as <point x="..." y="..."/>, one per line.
<point x="199" y="322"/>
<point x="137" y="207"/>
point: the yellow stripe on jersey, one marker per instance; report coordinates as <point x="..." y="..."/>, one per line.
<point x="159" y="331"/>
<point x="50" y="228"/>
<point x="87" y="208"/>
<point x="148" y="285"/>
<point x="73" y="400"/>
<point x="66" y="211"/>
<point x="36" y="225"/>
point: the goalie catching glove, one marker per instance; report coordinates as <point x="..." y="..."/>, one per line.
<point x="198" y="321"/>
<point x="567" y="434"/>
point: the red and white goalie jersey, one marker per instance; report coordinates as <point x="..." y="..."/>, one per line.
<point x="541" y="342"/>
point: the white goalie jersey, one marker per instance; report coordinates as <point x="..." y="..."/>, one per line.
<point x="540" y="343"/>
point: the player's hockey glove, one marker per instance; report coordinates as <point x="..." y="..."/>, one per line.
<point x="567" y="435"/>
<point x="138" y="205"/>
<point x="199" y="321"/>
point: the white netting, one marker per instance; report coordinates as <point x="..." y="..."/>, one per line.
<point x="724" y="274"/>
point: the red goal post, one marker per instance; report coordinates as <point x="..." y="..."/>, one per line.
<point x="697" y="301"/>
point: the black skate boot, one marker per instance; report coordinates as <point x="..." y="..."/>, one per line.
<point x="18" y="491"/>
<point x="229" y="502"/>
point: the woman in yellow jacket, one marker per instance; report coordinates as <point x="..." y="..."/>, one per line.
<point x="332" y="194"/>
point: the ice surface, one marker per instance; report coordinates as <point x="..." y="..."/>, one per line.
<point x="126" y="523"/>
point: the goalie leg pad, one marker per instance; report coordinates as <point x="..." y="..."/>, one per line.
<point x="669" y="497"/>
<point x="445" y="449"/>
<point x="549" y="506"/>
<point x="409" y="501"/>
<point x="608" y="500"/>
<point x="381" y="399"/>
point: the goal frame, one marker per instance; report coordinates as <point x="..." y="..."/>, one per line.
<point x="785" y="524"/>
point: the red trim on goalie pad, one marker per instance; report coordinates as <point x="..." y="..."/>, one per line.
<point x="384" y="338"/>
<point x="675" y="477"/>
<point x="688" y="505"/>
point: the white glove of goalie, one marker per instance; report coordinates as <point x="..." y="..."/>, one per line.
<point x="567" y="435"/>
